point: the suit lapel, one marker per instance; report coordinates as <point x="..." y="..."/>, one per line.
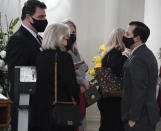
<point x="136" y="52"/>
<point x="28" y="34"/>
<point x="128" y="61"/>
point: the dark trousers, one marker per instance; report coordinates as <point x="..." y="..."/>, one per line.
<point x="14" y="118"/>
<point x="14" y="108"/>
<point x="110" y="111"/>
<point x="139" y="127"/>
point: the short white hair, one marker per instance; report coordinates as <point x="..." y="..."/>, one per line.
<point x="53" y="35"/>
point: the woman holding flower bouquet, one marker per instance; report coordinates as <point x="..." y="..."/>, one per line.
<point x="114" y="58"/>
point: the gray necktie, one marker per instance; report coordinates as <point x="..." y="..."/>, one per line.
<point x="39" y="39"/>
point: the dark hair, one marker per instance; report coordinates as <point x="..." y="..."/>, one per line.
<point x="30" y="7"/>
<point x="141" y="30"/>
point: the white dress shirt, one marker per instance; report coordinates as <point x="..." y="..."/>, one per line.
<point x="31" y="31"/>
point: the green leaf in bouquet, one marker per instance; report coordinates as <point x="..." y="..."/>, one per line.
<point x="13" y="23"/>
<point x="1" y="35"/>
<point x="4" y="38"/>
<point x="11" y="32"/>
<point x="1" y="41"/>
<point x="92" y="80"/>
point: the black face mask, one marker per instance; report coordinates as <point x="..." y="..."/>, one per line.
<point x="39" y="25"/>
<point x="71" y="41"/>
<point x="128" y="41"/>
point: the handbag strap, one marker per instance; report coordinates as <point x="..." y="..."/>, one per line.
<point x="56" y="86"/>
<point x="108" y="57"/>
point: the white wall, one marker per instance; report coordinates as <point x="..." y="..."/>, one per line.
<point x="130" y="10"/>
<point x="153" y="19"/>
<point x="11" y="8"/>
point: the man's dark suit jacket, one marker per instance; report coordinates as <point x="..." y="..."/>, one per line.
<point x="22" y="50"/>
<point x="139" y="87"/>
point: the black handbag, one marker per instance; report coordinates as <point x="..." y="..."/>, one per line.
<point x="109" y="83"/>
<point x="91" y="96"/>
<point x="65" y="113"/>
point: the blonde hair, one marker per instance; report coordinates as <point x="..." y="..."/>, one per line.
<point x="53" y="36"/>
<point x="159" y="53"/>
<point x="70" y="23"/>
<point x="115" y="40"/>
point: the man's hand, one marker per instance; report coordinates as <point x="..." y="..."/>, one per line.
<point x="131" y="123"/>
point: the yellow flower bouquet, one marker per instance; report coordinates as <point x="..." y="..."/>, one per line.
<point x="98" y="64"/>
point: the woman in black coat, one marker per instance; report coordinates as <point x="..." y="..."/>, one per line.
<point x="54" y="41"/>
<point x="114" y="58"/>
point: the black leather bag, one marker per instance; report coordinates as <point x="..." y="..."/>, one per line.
<point x="91" y="96"/>
<point x="109" y="83"/>
<point x="65" y="113"/>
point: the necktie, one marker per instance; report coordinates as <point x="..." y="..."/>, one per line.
<point x="39" y="39"/>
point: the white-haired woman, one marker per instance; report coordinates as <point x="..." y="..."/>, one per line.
<point x="54" y="41"/>
<point x="114" y="58"/>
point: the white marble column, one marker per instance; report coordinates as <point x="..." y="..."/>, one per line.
<point x="152" y="17"/>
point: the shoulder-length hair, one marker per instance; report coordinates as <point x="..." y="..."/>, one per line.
<point x="159" y="53"/>
<point x="115" y="40"/>
<point x="53" y="36"/>
<point x="70" y="23"/>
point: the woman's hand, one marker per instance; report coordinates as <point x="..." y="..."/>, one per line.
<point x="126" y="52"/>
<point x="86" y="84"/>
<point x="159" y="80"/>
<point x="82" y="89"/>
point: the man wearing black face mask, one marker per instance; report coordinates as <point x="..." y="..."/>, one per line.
<point x="139" y="107"/>
<point x="24" y="45"/>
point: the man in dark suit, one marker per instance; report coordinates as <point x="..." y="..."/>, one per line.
<point x="24" y="45"/>
<point x="139" y="107"/>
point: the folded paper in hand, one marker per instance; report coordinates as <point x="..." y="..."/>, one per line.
<point x="76" y="65"/>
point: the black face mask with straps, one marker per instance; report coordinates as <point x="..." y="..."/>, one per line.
<point x="39" y="25"/>
<point x="128" y="41"/>
<point x="71" y="41"/>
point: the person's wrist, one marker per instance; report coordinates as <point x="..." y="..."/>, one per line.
<point x="123" y="53"/>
